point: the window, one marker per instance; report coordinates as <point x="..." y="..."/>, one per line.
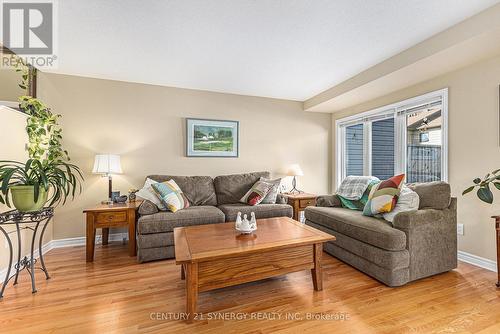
<point x="406" y="137"/>
<point x="354" y="149"/>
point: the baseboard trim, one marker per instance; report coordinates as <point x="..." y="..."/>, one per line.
<point x="477" y="261"/>
<point x="80" y="241"/>
<point x="61" y="243"/>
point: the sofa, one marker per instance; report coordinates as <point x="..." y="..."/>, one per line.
<point x="417" y="244"/>
<point x="212" y="201"/>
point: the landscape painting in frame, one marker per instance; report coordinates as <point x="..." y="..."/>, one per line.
<point x="211" y="138"/>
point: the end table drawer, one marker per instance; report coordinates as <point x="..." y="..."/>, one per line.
<point x="307" y="202"/>
<point x="111" y="217"/>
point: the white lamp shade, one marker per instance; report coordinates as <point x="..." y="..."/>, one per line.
<point x="107" y="164"/>
<point x="295" y="170"/>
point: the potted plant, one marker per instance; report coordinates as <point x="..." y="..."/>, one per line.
<point x="31" y="183"/>
<point x="47" y="176"/>
<point x="484" y="192"/>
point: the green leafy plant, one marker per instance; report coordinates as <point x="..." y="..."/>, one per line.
<point x="484" y="186"/>
<point x="48" y="166"/>
<point x="44" y="132"/>
<point x="62" y="178"/>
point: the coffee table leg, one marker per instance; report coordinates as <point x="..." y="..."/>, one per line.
<point x="183" y="272"/>
<point x="317" y="272"/>
<point x="191" y="289"/>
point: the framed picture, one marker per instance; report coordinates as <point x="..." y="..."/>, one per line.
<point x="211" y="138"/>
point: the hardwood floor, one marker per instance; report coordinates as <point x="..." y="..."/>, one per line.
<point x="114" y="294"/>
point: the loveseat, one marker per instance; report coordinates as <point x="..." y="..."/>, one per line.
<point x="212" y="201"/>
<point x="417" y="244"/>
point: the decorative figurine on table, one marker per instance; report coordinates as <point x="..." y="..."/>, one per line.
<point x="131" y="194"/>
<point x="253" y="221"/>
<point x="244" y="225"/>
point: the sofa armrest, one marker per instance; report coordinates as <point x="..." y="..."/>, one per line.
<point x="410" y="220"/>
<point x="328" y="201"/>
<point x="147" y="208"/>
<point x="431" y="239"/>
<point x="280" y="199"/>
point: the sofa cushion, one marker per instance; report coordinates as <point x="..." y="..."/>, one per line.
<point x="166" y="221"/>
<point x="374" y="231"/>
<point x="199" y="190"/>
<point x="261" y="210"/>
<point x="432" y="195"/>
<point x="386" y="259"/>
<point x="231" y="188"/>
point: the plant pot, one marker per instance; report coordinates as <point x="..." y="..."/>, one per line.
<point x="23" y="198"/>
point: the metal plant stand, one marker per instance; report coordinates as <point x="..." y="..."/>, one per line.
<point x="25" y="221"/>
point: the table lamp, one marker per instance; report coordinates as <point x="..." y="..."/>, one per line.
<point x="295" y="170"/>
<point x="107" y="165"/>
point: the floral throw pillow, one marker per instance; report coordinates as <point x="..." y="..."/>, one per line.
<point x="257" y="193"/>
<point x="384" y="196"/>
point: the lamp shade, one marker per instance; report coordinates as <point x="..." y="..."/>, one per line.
<point x="294" y="170"/>
<point x="107" y="164"/>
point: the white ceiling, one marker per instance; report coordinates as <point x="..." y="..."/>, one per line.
<point x="291" y="49"/>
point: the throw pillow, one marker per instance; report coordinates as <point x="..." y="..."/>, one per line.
<point x="273" y="193"/>
<point x="257" y="193"/>
<point x="359" y="204"/>
<point x="171" y="195"/>
<point x="408" y="201"/>
<point x="148" y="193"/>
<point x="383" y="196"/>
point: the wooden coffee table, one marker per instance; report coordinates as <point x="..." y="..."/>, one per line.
<point x="216" y="255"/>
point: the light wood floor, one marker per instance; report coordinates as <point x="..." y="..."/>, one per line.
<point x="116" y="295"/>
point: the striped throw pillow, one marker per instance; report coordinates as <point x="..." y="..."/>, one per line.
<point x="384" y="196"/>
<point x="171" y="195"/>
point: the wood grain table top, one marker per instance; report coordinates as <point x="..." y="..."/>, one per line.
<point x="115" y="206"/>
<point x="205" y="242"/>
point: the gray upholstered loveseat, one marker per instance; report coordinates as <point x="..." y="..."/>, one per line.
<point x="212" y="201"/>
<point x="417" y="244"/>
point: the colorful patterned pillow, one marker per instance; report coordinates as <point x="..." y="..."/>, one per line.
<point x="359" y="204"/>
<point x="384" y="196"/>
<point x="171" y="195"/>
<point x="273" y="193"/>
<point x="257" y="193"/>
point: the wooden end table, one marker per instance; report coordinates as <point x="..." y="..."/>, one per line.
<point x="216" y="255"/>
<point x="497" y="221"/>
<point x="105" y="216"/>
<point x="299" y="202"/>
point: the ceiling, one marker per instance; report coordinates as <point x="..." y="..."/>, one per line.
<point x="290" y="49"/>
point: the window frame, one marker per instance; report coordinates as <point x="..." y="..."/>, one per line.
<point x="397" y="111"/>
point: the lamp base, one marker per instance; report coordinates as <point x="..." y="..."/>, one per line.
<point x="294" y="190"/>
<point x="107" y="202"/>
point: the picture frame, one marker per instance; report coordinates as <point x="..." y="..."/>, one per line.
<point x="212" y="138"/>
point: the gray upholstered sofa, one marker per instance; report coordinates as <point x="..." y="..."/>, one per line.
<point x="417" y="244"/>
<point x="211" y="201"/>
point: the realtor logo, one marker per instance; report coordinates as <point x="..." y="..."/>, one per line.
<point x="28" y="28"/>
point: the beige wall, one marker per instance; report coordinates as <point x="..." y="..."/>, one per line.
<point x="145" y="125"/>
<point x="9" y="89"/>
<point x="473" y="143"/>
<point x="13" y="139"/>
